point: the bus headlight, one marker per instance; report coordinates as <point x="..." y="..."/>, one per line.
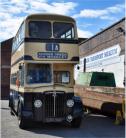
<point x="37" y="103"/>
<point x="70" y="103"/>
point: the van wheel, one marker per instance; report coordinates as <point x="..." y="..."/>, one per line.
<point x="76" y="122"/>
<point x="21" y="120"/>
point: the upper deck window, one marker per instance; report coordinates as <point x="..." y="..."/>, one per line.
<point x="18" y="38"/>
<point x="40" y="29"/>
<point x="63" y="30"/>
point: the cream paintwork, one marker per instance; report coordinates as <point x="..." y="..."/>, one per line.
<point x="48" y="88"/>
<point x="33" y="48"/>
<point x="41" y="89"/>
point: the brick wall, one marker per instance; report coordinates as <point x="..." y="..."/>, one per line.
<point x="105" y="39"/>
<point x="5" y="67"/>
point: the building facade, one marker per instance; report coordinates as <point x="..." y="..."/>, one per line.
<point x="5" y="67"/>
<point x="105" y="51"/>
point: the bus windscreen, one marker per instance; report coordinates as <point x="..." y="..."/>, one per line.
<point x="40" y="29"/>
<point x="63" y="30"/>
<point x="39" y="73"/>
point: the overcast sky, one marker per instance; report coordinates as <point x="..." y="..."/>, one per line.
<point x="91" y="15"/>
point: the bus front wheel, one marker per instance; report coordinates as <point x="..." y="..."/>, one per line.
<point x="11" y="111"/>
<point x="21" y="120"/>
<point x="76" y="122"/>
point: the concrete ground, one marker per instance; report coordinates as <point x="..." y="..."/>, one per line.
<point x="93" y="126"/>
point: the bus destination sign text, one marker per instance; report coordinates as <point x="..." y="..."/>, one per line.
<point x="52" y="47"/>
<point x="52" y="55"/>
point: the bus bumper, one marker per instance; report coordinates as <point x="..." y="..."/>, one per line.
<point x="28" y="115"/>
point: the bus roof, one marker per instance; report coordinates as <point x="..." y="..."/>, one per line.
<point x="48" y="16"/>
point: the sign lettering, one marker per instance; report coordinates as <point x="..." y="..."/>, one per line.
<point x="52" y="47"/>
<point x="102" y="55"/>
<point x="52" y="55"/>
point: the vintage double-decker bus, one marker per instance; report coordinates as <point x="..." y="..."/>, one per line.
<point x="44" y="53"/>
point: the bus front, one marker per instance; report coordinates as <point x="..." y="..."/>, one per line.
<point x="51" y="51"/>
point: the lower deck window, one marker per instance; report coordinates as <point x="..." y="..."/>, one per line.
<point x="39" y="73"/>
<point x="61" y="77"/>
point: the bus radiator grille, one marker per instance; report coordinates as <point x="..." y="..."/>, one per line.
<point x="54" y="104"/>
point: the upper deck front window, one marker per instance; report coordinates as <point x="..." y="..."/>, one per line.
<point x="39" y="29"/>
<point x="63" y="30"/>
<point x="43" y="29"/>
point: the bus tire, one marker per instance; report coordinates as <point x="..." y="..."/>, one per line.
<point x="21" y="120"/>
<point x="11" y="111"/>
<point x="76" y="122"/>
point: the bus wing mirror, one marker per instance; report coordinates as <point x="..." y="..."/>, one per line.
<point x="78" y="67"/>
